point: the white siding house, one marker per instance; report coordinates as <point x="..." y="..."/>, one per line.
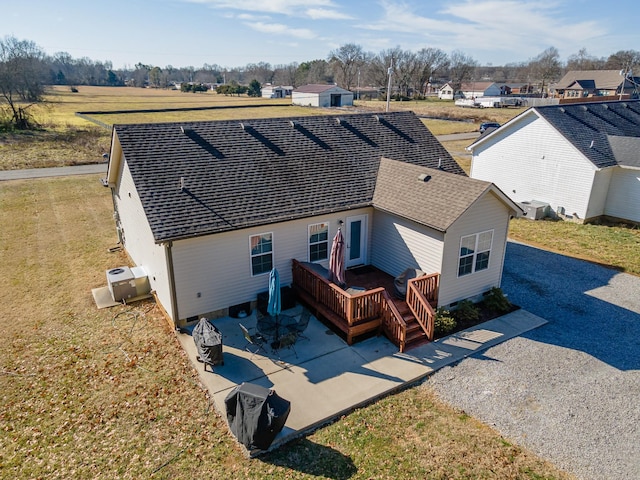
<point x="209" y="208"/>
<point x="581" y="159"/>
<point x="324" y="96"/>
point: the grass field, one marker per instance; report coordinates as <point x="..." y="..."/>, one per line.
<point x="68" y="139"/>
<point x="92" y="394"/>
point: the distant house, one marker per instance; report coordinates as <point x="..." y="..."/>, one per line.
<point x="583" y="160"/>
<point x="469" y="90"/>
<point x="209" y="208"/>
<point x="594" y="83"/>
<point x="325" y="96"/>
<point x="272" y="91"/>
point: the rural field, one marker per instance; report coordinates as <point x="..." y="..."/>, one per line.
<point x="90" y="393"/>
<point x="69" y="139"/>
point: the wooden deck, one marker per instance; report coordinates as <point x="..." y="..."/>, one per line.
<point x="367" y="304"/>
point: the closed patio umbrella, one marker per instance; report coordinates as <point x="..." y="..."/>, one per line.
<point x="275" y="303"/>
<point x="336" y="260"/>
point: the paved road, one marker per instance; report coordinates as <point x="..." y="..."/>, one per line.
<point x="53" y="171"/>
<point x="102" y="167"/>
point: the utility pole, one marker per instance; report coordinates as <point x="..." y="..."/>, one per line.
<point x="389" y="72"/>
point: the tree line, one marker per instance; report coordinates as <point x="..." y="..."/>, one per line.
<point x="25" y="70"/>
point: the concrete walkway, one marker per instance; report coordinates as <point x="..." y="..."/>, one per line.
<point x="324" y="378"/>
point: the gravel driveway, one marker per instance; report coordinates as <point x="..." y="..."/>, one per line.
<point x="570" y="390"/>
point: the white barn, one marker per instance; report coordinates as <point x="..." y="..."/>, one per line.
<point x="581" y="159"/>
<point x="325" y="96"/>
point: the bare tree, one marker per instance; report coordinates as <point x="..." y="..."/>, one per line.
<point x="263" y="72"/>
<point x="429" y="62"/>
<point x="546" y="67"/>
<point x="583" y="61"/>
<point x="22" y="79"/>
<point x="624" y="60"/>
<point x="345" y="62"/>
<point x="286" y="74"/>
<point x="461" y="68"/>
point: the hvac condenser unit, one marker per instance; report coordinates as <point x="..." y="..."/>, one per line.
<point x="535" y="210"/>
<point x="126" y="283"/>
<point x="122" y="284"/>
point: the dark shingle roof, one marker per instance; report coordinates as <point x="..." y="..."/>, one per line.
<point x="428" y="196"/>
<point x="588" y="126"/>
<point x="239" y="174"/>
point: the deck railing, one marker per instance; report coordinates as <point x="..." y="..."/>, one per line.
<point x="394" y="325"/>
<point x="352" y="308"/>
<point x="422" y="292"/>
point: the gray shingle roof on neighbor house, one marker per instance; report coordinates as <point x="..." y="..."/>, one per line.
<point x="428" y="196"/>
<point x="239" y="174"/>
<point x="317" y="88"/>
<point x="590" y="126"/>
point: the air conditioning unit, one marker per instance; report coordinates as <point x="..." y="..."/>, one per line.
<point x="126" y="283"/>
<point x="535" y="210"/>
<point x="122" y="284"/>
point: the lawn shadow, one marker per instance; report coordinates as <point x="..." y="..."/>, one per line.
<point x="589" y="307"/>
<point x="313" y="459"/>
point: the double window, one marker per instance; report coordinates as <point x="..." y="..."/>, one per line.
<point x="318" y="242"/>
<point x="261" y="251"/>
<point x="475" y="251"/>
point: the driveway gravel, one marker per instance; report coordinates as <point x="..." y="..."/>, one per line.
<point x="570" y="390"/>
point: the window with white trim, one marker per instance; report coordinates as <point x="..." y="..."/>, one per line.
<point x="261" y="252"/>
<point x="318" y="242"/>
<point x="475" y="251"/>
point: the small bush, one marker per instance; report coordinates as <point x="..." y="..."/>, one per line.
<point x="467" y="311"/>
<point x="495" y="301"/>
<point x="444" y="322"/>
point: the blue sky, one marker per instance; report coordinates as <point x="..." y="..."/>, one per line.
<point x="234" y="33"/>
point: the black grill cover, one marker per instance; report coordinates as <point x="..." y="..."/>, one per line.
<point x="256" y="415"/>
<point x="208" y="340"/>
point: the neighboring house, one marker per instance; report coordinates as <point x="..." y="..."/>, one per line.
<point x="325" y="96"/>
<point x="581" y="159"/>
<point x="470" y="90"/>
<point x="271" y="91"/>
<point x="209" y="208"/>
<point x="594" y="83"/>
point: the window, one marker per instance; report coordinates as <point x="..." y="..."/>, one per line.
<point x="318" y="242"/>
<point x="261" y="251"/>
<point x="474" y="253"/>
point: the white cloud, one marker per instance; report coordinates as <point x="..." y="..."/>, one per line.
<point x="280" y="29"/>
<point x="314" y="9"/>
<point x="324" y="14"/>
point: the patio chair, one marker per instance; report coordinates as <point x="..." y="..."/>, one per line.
<point x="302" y="324"/>
<point x="286" y="341"/>
<point x="255" y="339"/>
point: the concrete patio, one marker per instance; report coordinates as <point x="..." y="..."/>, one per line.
<point x="324" y="378"/>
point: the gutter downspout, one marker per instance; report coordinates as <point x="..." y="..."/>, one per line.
<point x="172" y="283"/>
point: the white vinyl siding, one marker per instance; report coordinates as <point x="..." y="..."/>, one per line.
<point x="139" y="241"/>
<point x="217" y="266"/>
<point x="535" y="162"/>
<point x="623" y="200"/>
<point x="398" y="243"/>
<point x="489" y="211"/>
